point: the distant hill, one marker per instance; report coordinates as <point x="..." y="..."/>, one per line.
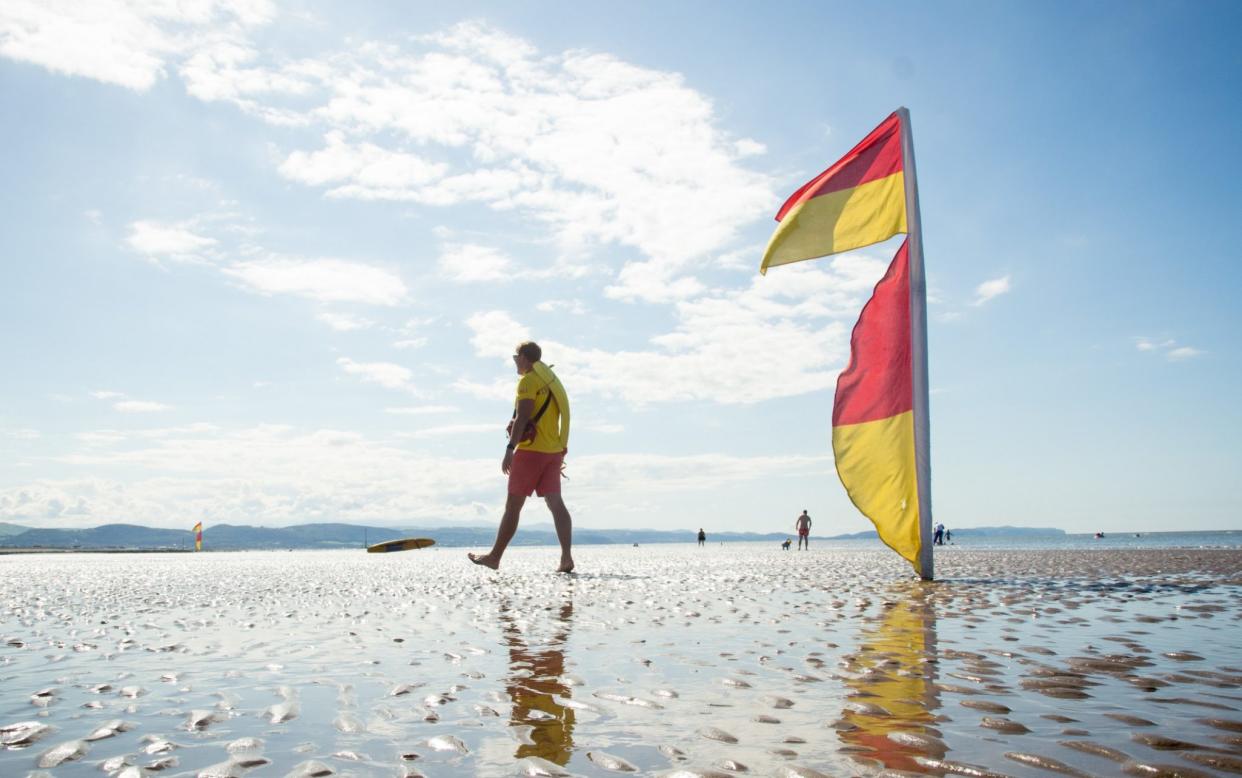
<point x="220" y="536"/>
<point x="232" y="537"/>
<point x="336" y="535"/>
<point x="106" y="536"/>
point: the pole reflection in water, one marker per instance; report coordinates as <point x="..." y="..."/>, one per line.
<point x="534" y="682"/>
<point x="890" y="714"/>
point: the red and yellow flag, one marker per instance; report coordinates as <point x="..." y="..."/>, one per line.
<point x="861" y="200"/>
<point x="198" y="536"/>
<point x="858" y="201"/>
<point x="873" y="414"/>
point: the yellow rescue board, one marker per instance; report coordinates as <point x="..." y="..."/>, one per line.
<point x="405" y="544"/>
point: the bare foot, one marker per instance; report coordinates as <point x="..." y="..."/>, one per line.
<point x="485" y="560"/>
<point x="566" y="567"/>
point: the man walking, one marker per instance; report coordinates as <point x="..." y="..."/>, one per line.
<point x="535" y="455"/>
<point x="803" y="525"/>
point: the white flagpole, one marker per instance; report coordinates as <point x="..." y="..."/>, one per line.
<point x="918" y="348"/>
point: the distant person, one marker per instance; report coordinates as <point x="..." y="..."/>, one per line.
<point x="938" y="537"/>
<point x="948" y="536"/>
<point x="702" y="536"/>
<point x="785" y="546"/>
<point x="803" y="525"/>
<point x="535" y="454"/>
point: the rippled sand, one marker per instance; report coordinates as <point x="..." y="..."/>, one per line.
<point x="671" y="660"/>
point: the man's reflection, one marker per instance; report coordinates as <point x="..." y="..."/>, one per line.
<point x="891" y="670"/>
<point x="534" y="683"/>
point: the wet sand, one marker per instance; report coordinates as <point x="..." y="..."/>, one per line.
<point x="674" y="660"/>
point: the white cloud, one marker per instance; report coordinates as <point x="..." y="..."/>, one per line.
<point x="1183" y="352"/>
<point x="468" y="262"/>
<point x="410" y="336"/>
<point x="386" y="374"/>
<point x="274" y="475"/>
<point x="652" y="282"/>
<point x="21" y="434"/>
<point x="344" y="322"/>
<point x="749" y="148"/>
<point x="167" y="241"/>
<point x="326" y="280"/>
<point x="364" y="171"/>
<point x="225" y="68"/>
<point x="496" y="333"/>
<point x="268" y="273"/>
<point x="602" y="427"/>
<point x="124" y="404"/>
<point x="576" y="307"/>
<point x="606" y="476"/>
<point x="201" y="427"/>
<point x="421" y="410"/>
<point x="453" y="430"/>
<point x="118" y="42"/>
<point x="597" y="149"/>
<point x="989" y="289"/>
<point x="101" y="437"/>
<point x="786" y="334"/>
<point x="140" y="406"/>
<point x="498" y="389"/>
<point x="1168" y="347"/>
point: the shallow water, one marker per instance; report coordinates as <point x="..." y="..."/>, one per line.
<point x="1131" y="541"/>
<point x="736" y="659"/>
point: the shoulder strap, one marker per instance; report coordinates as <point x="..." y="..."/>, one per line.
<point x="535" y="419"/>
<point x="539" y="414"/>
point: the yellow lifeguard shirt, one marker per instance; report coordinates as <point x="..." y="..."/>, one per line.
<point x="547" y="430"/>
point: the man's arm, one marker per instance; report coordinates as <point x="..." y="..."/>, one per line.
<point x="525" y="409"/>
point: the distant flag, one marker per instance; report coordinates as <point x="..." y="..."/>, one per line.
<point x="880" y="428"/>
<point x="198" y="536"/>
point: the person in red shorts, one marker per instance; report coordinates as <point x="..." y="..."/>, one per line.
<point x="535" y="455"/>
<point x="803" y="525"/>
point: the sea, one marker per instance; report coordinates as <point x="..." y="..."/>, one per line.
<point x="1109" y="540"/>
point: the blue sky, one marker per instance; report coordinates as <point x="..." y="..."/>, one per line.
<point x="265" y="262"/>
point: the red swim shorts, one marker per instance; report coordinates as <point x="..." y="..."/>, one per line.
<point x="805" y="532"/>
<point x="535" y="471"/>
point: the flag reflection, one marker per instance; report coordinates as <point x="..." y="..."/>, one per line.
<point x="892" y="685"/>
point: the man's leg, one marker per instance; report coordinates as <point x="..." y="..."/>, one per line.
<point x="504" y="533"/>
<point x="564" y="530"/>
